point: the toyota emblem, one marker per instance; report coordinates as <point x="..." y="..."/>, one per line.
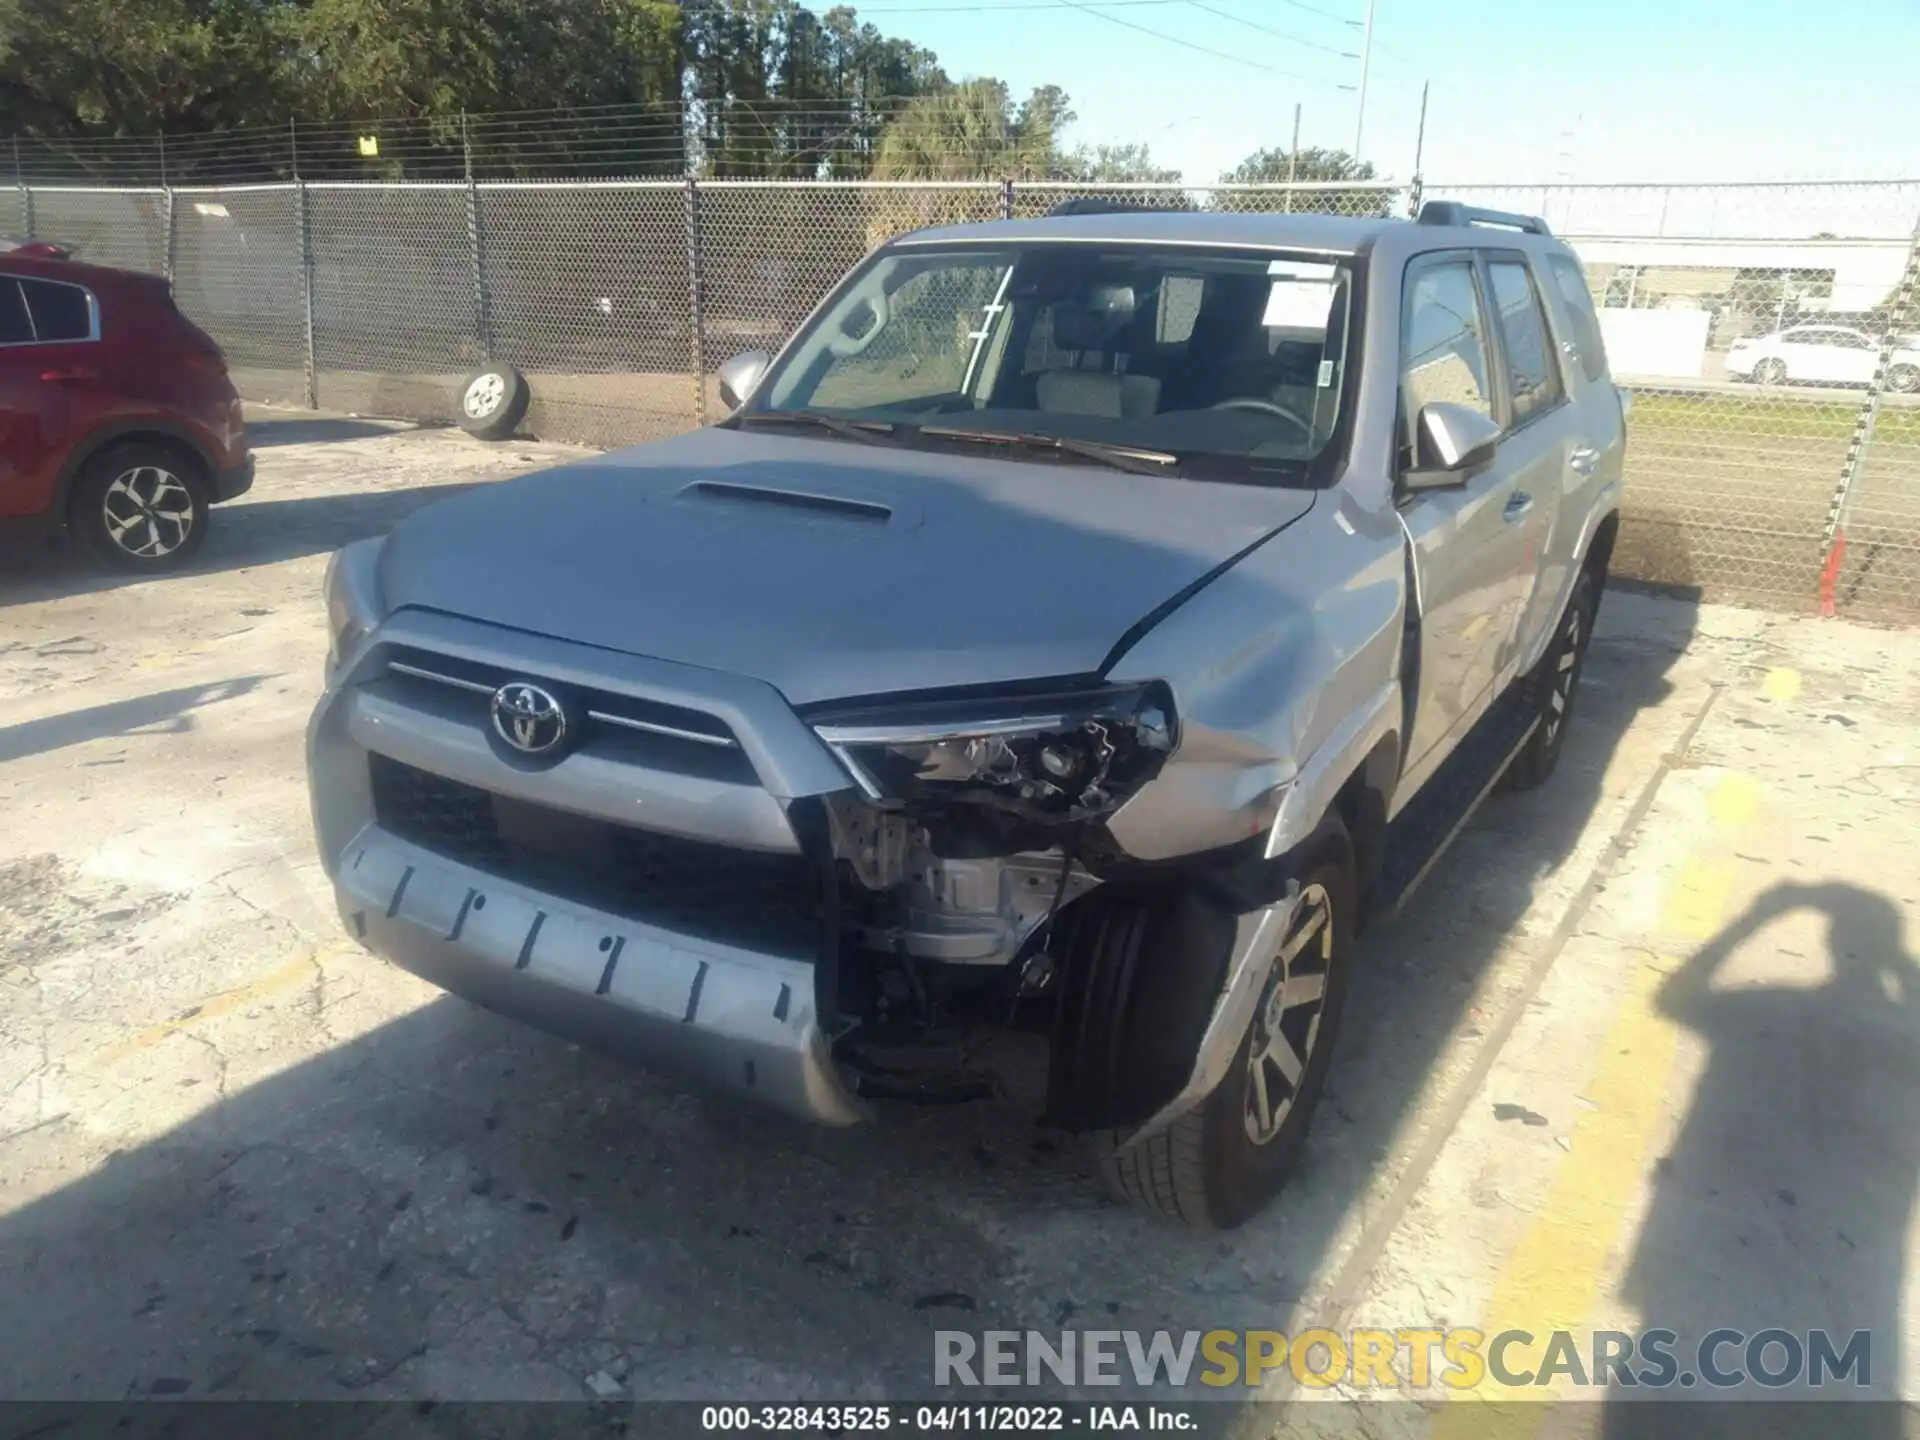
<point x="528" y="718"/>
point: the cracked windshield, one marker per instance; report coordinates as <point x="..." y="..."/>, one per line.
<point x="1182" y="354"/>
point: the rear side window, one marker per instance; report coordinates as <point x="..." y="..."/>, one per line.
<point x="15" y="328"/>
<point x="1586" y="325"/>
<point x="1443" y="345"/>
<point x="1532" y="376"/>
<point x="60" y="312"/>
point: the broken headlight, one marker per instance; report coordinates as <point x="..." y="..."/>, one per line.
<point x="1064" y="756"/>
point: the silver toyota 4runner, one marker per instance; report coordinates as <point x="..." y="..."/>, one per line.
<point x="1083" y="625"/>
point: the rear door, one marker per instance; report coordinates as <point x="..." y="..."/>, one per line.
<point x="1467" y="548"/>
<point x="49" y="351"/>
<point x="1544" y="432"/>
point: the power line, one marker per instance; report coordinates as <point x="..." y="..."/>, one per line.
<point x="1188" y="44"/>
<point x="1269" y="30"/>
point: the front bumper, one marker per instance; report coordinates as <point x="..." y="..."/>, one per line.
<point x="736" y="1020"/>
<point x="235" y="481"/>
<point x="731" y="1006"/>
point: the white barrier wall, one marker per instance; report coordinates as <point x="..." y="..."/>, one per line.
<point x="1663" y="343"/>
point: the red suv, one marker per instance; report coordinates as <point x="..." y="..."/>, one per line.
<point x="117" y="419"/>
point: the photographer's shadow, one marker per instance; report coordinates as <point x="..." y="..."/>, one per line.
<point x="1787" y="1198"/>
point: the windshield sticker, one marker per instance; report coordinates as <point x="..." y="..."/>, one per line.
<point x="1298" y="304"/>
<point x="1303" y="269"/>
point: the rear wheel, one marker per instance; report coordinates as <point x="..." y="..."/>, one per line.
<point x="1904" y="378"/>
<point x="140" y="508"/>
<point x="1553" y="684"/>
<point x="1222" y="1162"/>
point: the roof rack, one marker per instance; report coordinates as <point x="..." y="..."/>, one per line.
<point x="1452" y="212"/>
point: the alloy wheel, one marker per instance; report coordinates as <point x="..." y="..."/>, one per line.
<point x="1566" y="663"/>
<point x="148" y="512"/>
<point x="1287" y="1026"/>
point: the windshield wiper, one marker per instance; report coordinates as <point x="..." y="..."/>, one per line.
<point x="870" y="432"/>
<point x="1121" y="457"/>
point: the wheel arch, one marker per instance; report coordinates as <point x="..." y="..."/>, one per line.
<point x="175" y="439"/>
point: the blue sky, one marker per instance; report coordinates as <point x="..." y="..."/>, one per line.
<point x="1523" y="90"/>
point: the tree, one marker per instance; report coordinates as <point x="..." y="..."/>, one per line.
<point x="973" y="131"/>
<point x="1317" y="166"/>
<point x="1117" y="165"/>
<point x="1272" y="167"/>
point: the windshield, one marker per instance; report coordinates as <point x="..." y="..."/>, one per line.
<point x="1228" y="360"/>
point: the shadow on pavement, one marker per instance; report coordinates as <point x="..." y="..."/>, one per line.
<point x="451" y="1205"/>
<point x="171" y="710"/>
<point x="1801" y="1127"/>
<point x="249" y="532"/>
<point x="266" y="432"/>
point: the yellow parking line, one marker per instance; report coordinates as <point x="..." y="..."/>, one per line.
<point x="1553" y="1277"/>
<point x="291" y="976"/>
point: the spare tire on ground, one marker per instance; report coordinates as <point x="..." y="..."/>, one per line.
<point x="494" y="402"/>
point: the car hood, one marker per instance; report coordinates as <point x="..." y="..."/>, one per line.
<point x="829" y="568"/>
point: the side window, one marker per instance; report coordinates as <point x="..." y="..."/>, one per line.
<point x="15" y="328"/>
<point x="60" y="312"/>
<point x="1533" y="377"/>
<point x="1586" y="325"/>
<point x="1443" y="345"/>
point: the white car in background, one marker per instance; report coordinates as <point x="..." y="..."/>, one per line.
<point x="1822" y="355"/>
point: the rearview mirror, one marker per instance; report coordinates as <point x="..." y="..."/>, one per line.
<point x="739" y="375"/>
<point x="1451" y="440"/>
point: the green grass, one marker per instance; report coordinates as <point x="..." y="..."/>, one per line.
<point x="1764" y="417"/>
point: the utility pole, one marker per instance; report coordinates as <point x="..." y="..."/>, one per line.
<point x="1420" y="135"/>
<point x="1419" y="150"/>
<point x="1293" y="154"/>
<point x="1366" y="63"/>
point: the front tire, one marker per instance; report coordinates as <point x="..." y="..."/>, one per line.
<point x="1553" y="684"/>
<point x="1221" y="1163"/>
<point x="494" y="402"/>
<point x="140" y="508"/>
<point x="1770" y="372"/>
<point x="1904" y="378"/>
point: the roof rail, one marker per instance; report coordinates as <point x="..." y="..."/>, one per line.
<point x="1452" y="212"/>
<point x="1101" y="205"/>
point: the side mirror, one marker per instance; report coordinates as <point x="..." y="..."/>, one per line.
<point x="739" y="375"/>
<point x="1451" y="440"/>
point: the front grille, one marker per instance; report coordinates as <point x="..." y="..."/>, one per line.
<point x="624" y="727"/>
<point x="740" y="897"/>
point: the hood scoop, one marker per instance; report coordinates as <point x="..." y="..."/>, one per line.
<point x="810" y="502"/>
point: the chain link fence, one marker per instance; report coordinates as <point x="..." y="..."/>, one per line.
<point x="1762" y="331"/>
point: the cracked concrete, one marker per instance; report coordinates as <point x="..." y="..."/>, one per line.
<point x="241" y="1158"/>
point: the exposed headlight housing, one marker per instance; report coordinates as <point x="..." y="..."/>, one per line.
<point x="352" y="589"/>
<point x="1059" y="757"/>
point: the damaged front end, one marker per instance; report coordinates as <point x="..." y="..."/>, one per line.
<point x="970" y="829"/>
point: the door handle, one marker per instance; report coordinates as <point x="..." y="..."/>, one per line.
<point x="71" y="375"/>
<point x="1584" y="459"/>
<point x="1519" y="504"/>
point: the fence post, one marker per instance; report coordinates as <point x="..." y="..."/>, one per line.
<point x="696" y="303"/>
<point x="477" y="253"/>
<point x="167" y="256"/>
<point x="26" y="193"/>
<point x="1006" y="198"/>
<point x="306" y="286"/>
<point x="1414" y="190"/>
<point x="1834" y="551"/>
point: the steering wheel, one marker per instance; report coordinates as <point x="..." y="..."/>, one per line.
<point x="1265" y="407"/>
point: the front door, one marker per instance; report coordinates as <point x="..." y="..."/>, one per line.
<point x="1467" y="545"/>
